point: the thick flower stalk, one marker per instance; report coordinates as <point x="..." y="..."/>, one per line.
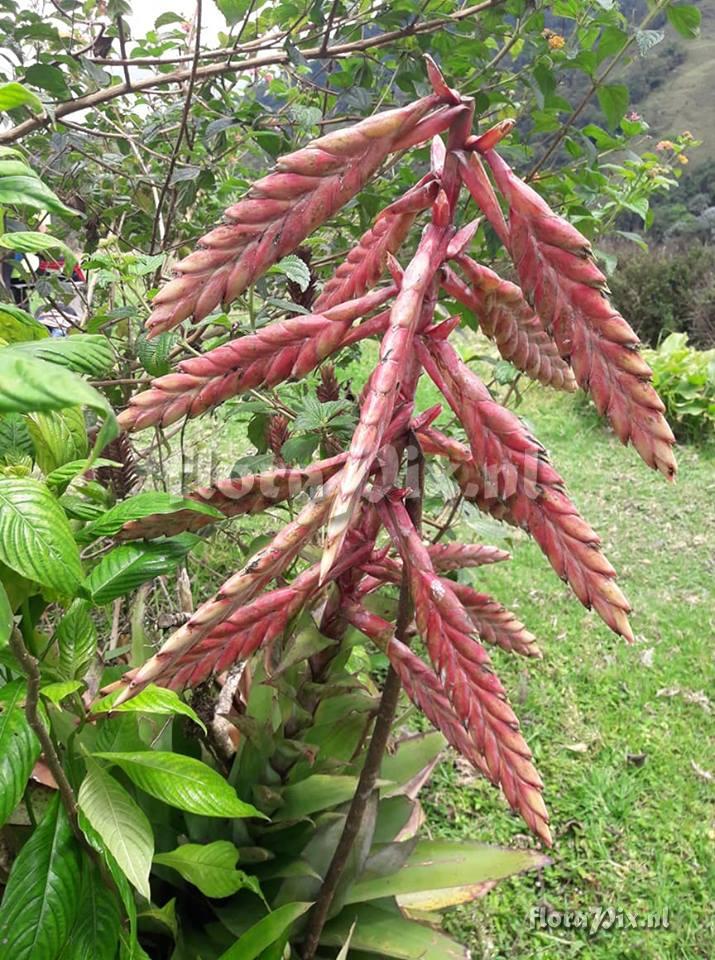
<point x="560" y="277"/>
<point x="281" y="210"/>
<point x="506" y="318"/>
<point x="234" y="497"/>
<point x="286" y="349"/>
<point x="465" y="673"/>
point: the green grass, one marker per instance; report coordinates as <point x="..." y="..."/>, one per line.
<point x="637" y="838"/>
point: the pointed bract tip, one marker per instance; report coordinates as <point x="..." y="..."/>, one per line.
<point x="489" y="139"/>
<point x="426" y="417"/>
<point x="438" y="153"/>
<point x="440" y="331"/>
<point x="461" y="240"/>
<point x="440" y="210"/>
<point x="439" y="84"/>
<point x="393" y="265"/>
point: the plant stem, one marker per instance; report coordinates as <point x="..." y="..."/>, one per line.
<point x="32" y="670"/>
<point x="375" y="751"/>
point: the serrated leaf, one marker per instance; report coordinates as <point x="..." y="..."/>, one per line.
<point x="19" y="749"/>
<point x="28" y="384"/>
<point x="151" y="699"/>
<point x="182" y="782"/>
<point x="31" y="241"/>
<point x="6" y="618"/>
<point x="613" y="100"/>
<point x="87" y="353"/>
<point x="96" y="929"/>
<point x="142" y="505"/>
<point x="56" y="692"/>
<point x="13" y="95"/>
<point x="25" y="191"/>
<point x="294" y="269"/>
<point x="58" y="437"/>
<point x="125" y="568"/>
<point x="154" y="354"/>
<point x="120" y="824"/>
<point x="211" y="867"/>
<point x="267" y="931"/>
<point x="18" y="326"/>
<point x="42" y="895"/>
<point x="685" y="18"/>
<point x="35" y="536"/>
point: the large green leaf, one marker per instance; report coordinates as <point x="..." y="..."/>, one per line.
<point x="120" y="823"/>
<point x="76" y="639"/>
<point x="142" y="505"/>
<point x="315" y="793"/>
<point x="35" y="536"/>
<point x="389" y="934"/>
<point x="25" y="191"/>
<point x="29" y="384"/>
<point x="31" y="241"/>
<point x="410" y="762"/>
<point x="123" y="569"/>
<point x="19" y="749"/>
<point x="152" y="699"/>
<point x="6" y="618"/>
<point x="86" y="353"/>
<point x="58" y="437"/>
<point x="211" y="867"/>
<point x="96" y="929"/>
<point x="42" y="895"/>
<point x="436" y="865"/>
<point x="685" y="17"/>
<point x="182" y="782"/>
<point x="262" y="934"/>
<point x="18" y="326"/>
<point x="15" y="439"/>
<point x="13" y="95"/>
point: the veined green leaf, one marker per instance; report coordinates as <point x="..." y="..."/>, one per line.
<point x="152" y="699"/>
<point x="31" y="241"/>
<point x="19" y="749"/>
<point x="15" y="439"/>
<point x="76" y="639"/>
<point x="264" y="933"/>
<point x="6" y="618"/>
<point x="142" y="505"/>
<point x="211" y="867"/>
<point x="42" y="895"/>
<point x="18" y="326"/>
<point x="13" y="95"/>
<point x="56" y="692"/>
<point x="182" y="782"/>
<point x="87" y="353"/>
<point x="685" y="18"/>
<point x="35" y="536"/>
<point x="58" y="437"/>
<point x="23" y="191"/>
<point x="120" y="824"/>
<point x="96" y="929"/>
<point x="126" y="567"/>
<point x="315" y="793"/>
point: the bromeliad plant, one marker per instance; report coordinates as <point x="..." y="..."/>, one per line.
<point x="557" y="326"/>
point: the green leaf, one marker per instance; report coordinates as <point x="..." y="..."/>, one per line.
<point x="262" y="934"/>
<point x="31" y="241"/>
<point x="613" y="100"/>
<point x="96" y="929"/>
<point x="58" y="436"/>
<point x="42" y="895"/>
<point x="390" y="935"/>
<point x="211" y="867"/>
<point x="76" y="639"/>
<point x="120" y="823"/>
<point x="6" y="619"/>
<point x="233" y="10"/>
<point x="294" y="269"/>
<point x="47" y="77"/>
<point x="19" y="749"/>
<point x="28" y="384"/>
<point x="152" y="699"/>
<point x="86" y="353"/>
<point x="154" y="354"/>
<point x="412" y="757"/>
<point x="685" y="18"/>
<point x="315" y="793"/>
<point x="17" y="325"/>
<point x="35" y="536"/>
<point x="15" y="439"/>
<point x="123" y="569"/>
<point x="25" y="191"/>
<point x="13" y="95"/>
<point x="435" y="865"/>
<point x="142" y="505"/>
<point x="56" y="692"/>
<point x="182" y="782"/>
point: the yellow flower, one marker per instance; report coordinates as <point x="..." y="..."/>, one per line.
<point x="682" y="159"/>
<point x="557" y="42"/>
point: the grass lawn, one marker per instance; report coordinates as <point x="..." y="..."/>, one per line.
<point x="622" y="735"/>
